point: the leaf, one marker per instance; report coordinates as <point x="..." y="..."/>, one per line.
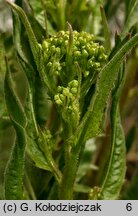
<point x="93" y="24"/>
<point x="106" y="31"/>
<point x="86" y="160"/>
<point x="116" y="164"/>
<point x="40" y="10"/>
<point x="15" y="167"/>
<point x="115" y="173"/>
<point x="13" y="103"/>
<point x="36" y="155"/>
<point x="32" y="39"/>
<point x="92" y="121"/>
<point x="32" y="147"/>
<point x="17" y="35"/>
<point x="132" y="16"/>
<point x="35" y="47"/>
<point x="7" y="138"/>
<point x="119" y="44"/>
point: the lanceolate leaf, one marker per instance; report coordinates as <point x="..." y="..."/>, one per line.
<point x="114" y="171"/>
<point x="14" y="171"/>
<point x="17" y="35"/>
<point x="32" y="148"/>
<point x="119" y="44"/>
<point x="15" y="167"/>
<point x="106" y="30"/>
<point x="36" y="155"/>
<point x="132" y="17"/>
<point x="30" y="73"/>
<point x="13" y="103"/>
<point x="91" y="123"/>
<point x="32" y="39"/>
<point x="116" y="167"/>
<point x="35" y="47"/>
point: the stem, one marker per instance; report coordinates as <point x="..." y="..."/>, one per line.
<point x="69" y="175"/>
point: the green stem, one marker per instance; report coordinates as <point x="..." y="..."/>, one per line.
<point x="69" y="175"/>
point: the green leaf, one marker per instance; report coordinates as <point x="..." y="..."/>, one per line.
<point x="30" y="73"/>
<point x="91" y="124"/>
<point x="116" y="168"/>
<point x="132" y="17"/>
<point x="13" y="103"/>
<point x="15" y="167"/>
<point x="116" y="164"/>
<point x="35" y="47"/>
<point x="36" y="155"/>
<point x="32" y="147"/>
<point x="17" y="35"/>
<point x="106" y="31"/>
<point x="119" y="44"/>
<point x="86" y="160"/>
<point x="32" y="39"/>
<point x="40" y="9"/>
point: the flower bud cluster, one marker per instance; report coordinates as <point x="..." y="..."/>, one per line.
<point x="61" y="55"/>
<point x="67" y="101"/>
<point x="89" y="55"/>
<point x="45" y="140"/>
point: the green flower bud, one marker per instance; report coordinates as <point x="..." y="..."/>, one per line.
<point x="66" y="42"/>
<point x="45" y="45"/>
<point x="101" y="49"/>
<point x="77" y="55"/>
<point x="58" y="52"/>
<point x="86" y="73"/>
<point x="59" y="89"/>
<point x="74" y="91"/>
<point x="57" y="99"/>
<point x="53" y="49"/>
<point x="73" y="83"/>
<point x="85" y="53"/>
<point x="96" y="65"/>
<point x="66" y="92"/>
<point x="62" y="97"/>
<point x="49" y="65"/>
<point x="92" y="51"/>
<point x="56" y="64"/>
